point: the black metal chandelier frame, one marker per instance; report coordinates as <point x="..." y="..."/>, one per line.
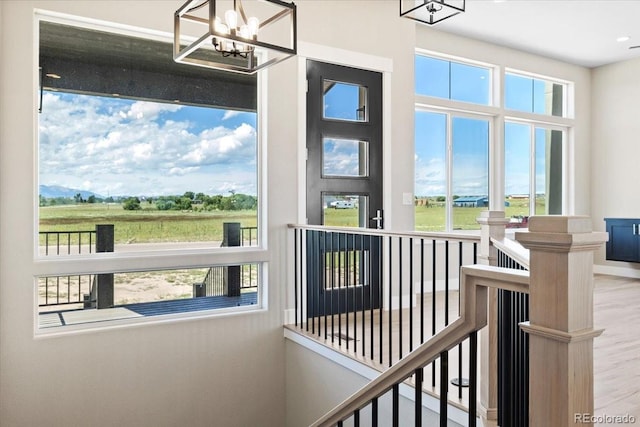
<point x="416" y="10"/>
<point x="215" y="40"/>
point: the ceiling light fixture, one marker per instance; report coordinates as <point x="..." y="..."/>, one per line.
<point x="430" y="11"/>
<point x="235" y="40"/>
<point x="623" y="39"/>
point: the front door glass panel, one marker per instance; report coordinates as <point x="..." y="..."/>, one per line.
<point x="344" y="210"/>
<point x="344" y="158"/>
<point x="344" y="101"/>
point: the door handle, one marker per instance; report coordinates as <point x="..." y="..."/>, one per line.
<point x="379" y="219"/>
<point x="635" y="229"/>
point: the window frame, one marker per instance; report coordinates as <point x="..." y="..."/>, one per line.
<point x="567" y="94"/>
<point x="498" y="115"/>
<point x="150" y="260"/>
<point x="450" y="115"/>
<point x="533" y="127"/>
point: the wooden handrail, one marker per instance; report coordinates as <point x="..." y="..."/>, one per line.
<point x="513" y="249"/>
<point x="474" y="282"/>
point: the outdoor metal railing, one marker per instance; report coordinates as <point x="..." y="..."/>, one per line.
<point x="350" y="284"/>
<point x="248" y="236"/>
<point x="231" y="280"/>
<point x="75" y="289"/>
<point x="65" y="290"/>
<point x="216" y="282"/>
<point x="67" y="242"/>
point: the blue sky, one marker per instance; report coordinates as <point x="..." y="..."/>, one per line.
<point x="114" y="146"/>
<point x="469" y="139"/>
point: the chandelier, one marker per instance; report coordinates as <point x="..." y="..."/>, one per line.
<point x="430" y="11"/>
<point x="237" y="38"/>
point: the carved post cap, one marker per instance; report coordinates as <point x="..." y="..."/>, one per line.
<point x="561" y="233"/>
<point x="492" y="217"/>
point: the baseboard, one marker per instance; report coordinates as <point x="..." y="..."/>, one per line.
<point x="289" y="316"/>
<point x="617" y="271"/>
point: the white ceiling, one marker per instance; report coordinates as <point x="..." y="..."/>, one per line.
<point x="582" y="32"/>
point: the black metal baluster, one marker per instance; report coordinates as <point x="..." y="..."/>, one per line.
<point x="295" y="275"/>
<point x="410" y="294"/>
<point x="347" y="276"/>
<point x="380" y="294"/>
<point x="340" y="267"/>
<point x="332" y="280"/>
<point x="396" y="405"/>
<point x="421" y="291"/>
<point x="444" y="388"/>
<point x="473" y="378"/>
<point x="363" y="279"/>
<point x="460" y="379"/>
<point x="400" y="268"/>
<point x="325" y="279"/>
<point x="446" y="282"/>
<point x="356" y="418"/>
<point x="369" y="274"/>
<point x="433" y="306"/>
<point x="374" y="412"/>
<point x="390" y="263"/>
<point x="419" y="373"/>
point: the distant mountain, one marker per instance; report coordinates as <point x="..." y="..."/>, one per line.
<point x="51" y="191"/>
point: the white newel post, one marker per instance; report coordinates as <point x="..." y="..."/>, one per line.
<point x="492" y="225"/>
<point x="560" y="323"/>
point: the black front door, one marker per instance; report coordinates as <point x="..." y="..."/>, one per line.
<point x="344" y="186"/>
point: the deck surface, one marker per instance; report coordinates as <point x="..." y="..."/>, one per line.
<point x="148" y="309"/>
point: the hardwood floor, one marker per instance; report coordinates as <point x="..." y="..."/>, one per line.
<point x="616" y="351"/>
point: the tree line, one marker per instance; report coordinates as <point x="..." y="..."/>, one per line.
<point x="188" y="201"/>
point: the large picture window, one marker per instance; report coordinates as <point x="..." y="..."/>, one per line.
<point x="141" y="158"/>
<point x="453" y="143"/>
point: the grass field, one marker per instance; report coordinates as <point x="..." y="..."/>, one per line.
<point x="147" y="225"/>
<point x="150" y="225"/>
<point x="432" y="218"/>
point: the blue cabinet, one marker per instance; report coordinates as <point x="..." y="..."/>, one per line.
<point x="624" y="239"/>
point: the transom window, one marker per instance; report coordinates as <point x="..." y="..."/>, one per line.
<point x="452" y="80"/>
<point x="534" y="95"/>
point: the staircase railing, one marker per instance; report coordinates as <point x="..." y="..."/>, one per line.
<point x="377" y="294"/>
<point x="513" y="342"/>
<point x="560" y="331"/>
<point x="473" y="316"/>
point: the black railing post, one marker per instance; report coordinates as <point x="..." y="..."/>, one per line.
<point x="104" y="284"/>
<point x="232" y="237"/>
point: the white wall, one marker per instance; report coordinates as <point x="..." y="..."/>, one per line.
<point x="214" y="371"/>
<point x="616" y="151"/>
<point x="226" y="371"/>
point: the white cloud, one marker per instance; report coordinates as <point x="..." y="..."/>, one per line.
<point x="124" y="147"/>
<point x="229" y="114"/>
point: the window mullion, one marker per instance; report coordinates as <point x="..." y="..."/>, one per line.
<point x="449" y="168"/>
<point x="532" y="170"/>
